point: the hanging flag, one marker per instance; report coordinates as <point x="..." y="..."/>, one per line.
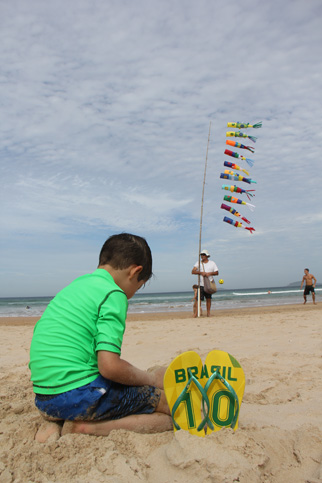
<point x="236" y="177"/>
<point x="233" y="212"/>
<point x="237" y="224"/>
<point x="235" y="166"/>
<point x="239" y="145"/>
<point x="240" y="125"/>
<point x="233" y="173"/>
<point x="239" y="134"/>
<point x="236" y="155"/>
<point x="231" y="199"/>
<point x="236" y="189"/>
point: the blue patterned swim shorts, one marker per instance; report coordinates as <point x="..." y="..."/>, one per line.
<point x="101" y="399"/>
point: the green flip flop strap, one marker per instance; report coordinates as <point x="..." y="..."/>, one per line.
<point x="217" y="375"/>
<point x="181" y="397"/>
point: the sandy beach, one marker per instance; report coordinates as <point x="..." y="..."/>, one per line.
<point x="279" y="439"/>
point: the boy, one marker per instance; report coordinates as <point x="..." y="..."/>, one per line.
<point x="76" y="369"/>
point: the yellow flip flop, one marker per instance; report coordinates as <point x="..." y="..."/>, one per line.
<point x="225" y="389"/>
<point x="185" y="394"/>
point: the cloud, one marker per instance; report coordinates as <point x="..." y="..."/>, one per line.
<point x="105" y="116"/>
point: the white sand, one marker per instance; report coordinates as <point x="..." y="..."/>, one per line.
<point x="279" y="438"/>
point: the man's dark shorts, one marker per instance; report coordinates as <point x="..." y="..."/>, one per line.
<point x="101" y="399"/>
<point x="204" y="294"/>
<point x="308" y="289"/>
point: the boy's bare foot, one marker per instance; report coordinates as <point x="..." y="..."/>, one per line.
<point x="69" y="427"/>
<point x="48" y="430"/>
<point x="139" y="423"/>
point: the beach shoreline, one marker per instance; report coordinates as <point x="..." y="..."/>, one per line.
<point x="173" y="302"/>
<point x="173" y="315"/>
<point x="279" y="436"/>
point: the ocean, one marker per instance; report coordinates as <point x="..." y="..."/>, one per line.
<point x="172" y="302"/>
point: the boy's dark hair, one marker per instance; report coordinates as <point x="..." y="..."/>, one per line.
<point x="306" y="269"/>
<point x="121" y="251"/>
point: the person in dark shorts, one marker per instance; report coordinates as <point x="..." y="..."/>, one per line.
<point x="78" y="375"/>
<point x="205" y="268"/>
<point x="309" y="285"/>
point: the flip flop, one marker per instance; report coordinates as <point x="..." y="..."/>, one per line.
<point x="185" y="394"/>
<point x="224" y="388"/>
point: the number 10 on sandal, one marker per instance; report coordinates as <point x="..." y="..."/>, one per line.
<point x="204" y="397"/>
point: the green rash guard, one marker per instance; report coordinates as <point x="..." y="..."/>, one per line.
<point x="86" y="316"/>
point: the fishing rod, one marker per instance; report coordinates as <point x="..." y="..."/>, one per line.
<point x="201" y="215"/>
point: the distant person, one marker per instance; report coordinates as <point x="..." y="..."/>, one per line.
<point x="309" y="285"/>
<point x="209" y="269"/>
<point x="195" y="301"/>
<point x="78" y="375"/>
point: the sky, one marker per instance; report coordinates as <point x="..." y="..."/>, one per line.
<point x="106" y="109"/>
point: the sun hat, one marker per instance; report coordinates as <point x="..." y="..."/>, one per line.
<point x="205" y="252"/>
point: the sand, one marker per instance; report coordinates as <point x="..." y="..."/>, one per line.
<point x="279" y="438"/>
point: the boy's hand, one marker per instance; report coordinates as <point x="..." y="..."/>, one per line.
<point x="112" y="367"/>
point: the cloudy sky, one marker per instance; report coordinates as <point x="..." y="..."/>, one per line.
<point x="105" y="114"/>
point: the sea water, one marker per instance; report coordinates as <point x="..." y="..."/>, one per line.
<point x="172" y="301"/>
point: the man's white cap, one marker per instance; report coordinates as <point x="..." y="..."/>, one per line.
<point x="205" y="252"/>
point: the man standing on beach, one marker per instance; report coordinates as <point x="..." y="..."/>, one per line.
<point x="309" y="285"/>
<point x="205" y="268"/>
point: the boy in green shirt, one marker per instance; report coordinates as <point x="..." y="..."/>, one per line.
<point x="77" y="373"/>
